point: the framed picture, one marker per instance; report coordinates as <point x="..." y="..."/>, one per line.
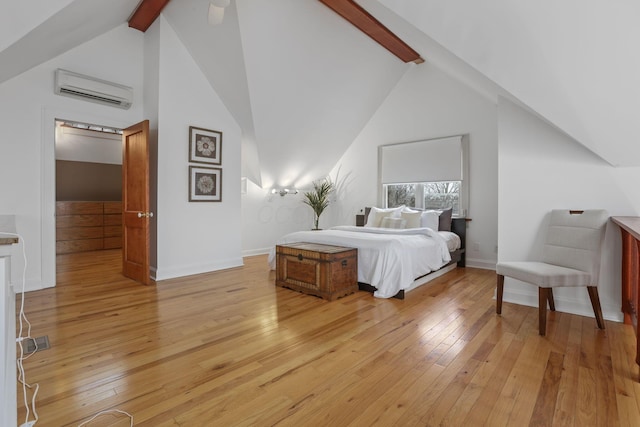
<point x="205" y="146"/>
<point x="205" y="184"/>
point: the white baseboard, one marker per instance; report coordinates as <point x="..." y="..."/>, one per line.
<point x="30" y="286"/>
<point x="254" y="252"/>
<point x="581" y="307"/>
<point x="480" y="263"/>
<point x="189" y="270"/>
<point x="563" y="304"/>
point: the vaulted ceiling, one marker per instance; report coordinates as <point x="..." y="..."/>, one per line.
<point x="302" y="82"/>
<point x="575" y="63"/>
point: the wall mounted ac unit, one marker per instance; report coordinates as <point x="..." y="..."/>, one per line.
<point x="92" y="89"/>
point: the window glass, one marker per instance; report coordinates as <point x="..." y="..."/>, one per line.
<point x="425" y="195"/>
<point x="401" y="194"/>
<point x="442" y="195"/>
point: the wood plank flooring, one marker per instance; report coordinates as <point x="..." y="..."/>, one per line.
<point x="231" y="349"/>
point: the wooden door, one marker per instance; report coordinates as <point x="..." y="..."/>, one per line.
<point x="135" y="202"/>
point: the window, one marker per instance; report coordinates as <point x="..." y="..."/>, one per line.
<point x="425" y="195"/>
<point x="401" y="194"/>
<point x="428" y="174"/>
<point x="442" y="195"/>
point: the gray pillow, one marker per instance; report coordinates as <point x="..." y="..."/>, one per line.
<point x="444" y="220"/>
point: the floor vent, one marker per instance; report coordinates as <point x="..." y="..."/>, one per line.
<point x="30" y="346"/>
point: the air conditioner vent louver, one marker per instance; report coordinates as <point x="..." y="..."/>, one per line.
<point x="90" y="96"/>
<point x="92" y="89"/>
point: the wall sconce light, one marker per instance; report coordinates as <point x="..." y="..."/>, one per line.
<point x="284" y="191"/>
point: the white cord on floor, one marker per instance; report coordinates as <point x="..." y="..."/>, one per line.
<point x="107" y="412"/>
<point x="23" y="319"/>
<point x="22" y="358"/>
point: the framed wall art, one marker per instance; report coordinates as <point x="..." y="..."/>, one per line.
<point x="205" y="146"/>
<point x="205" y="184"/>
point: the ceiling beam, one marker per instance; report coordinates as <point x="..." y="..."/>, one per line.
<point x="146" y="13"/>
<point x="363" y="20"/>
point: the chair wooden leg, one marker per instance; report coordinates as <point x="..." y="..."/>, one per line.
<point x="543" y="297"/>
<point x="552" y="304"/>
<point x="595" y="303"/>
<point x="499" y="291"/>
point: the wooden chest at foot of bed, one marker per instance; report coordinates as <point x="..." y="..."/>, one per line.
<point x="325" y="271"/>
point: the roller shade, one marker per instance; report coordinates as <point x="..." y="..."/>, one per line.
<point x="422" y="161"/>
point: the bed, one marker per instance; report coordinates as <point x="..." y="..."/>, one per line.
<point x="392" y="262"/>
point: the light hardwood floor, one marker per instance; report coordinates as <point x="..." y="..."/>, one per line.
<point x="230" y="349"/>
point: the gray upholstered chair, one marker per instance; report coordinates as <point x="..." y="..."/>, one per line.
<point x="571" y="258"/>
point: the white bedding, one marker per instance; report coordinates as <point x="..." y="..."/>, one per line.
<point x="388" y="259"/>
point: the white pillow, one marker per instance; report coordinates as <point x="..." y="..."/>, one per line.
<point x="406" y="209"/>
<point x="389" y="222"/>
<point x="413" y="218"/>
<point x="430" y="219"/>
<point x="376" y="215"/>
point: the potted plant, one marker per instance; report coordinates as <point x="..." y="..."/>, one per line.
<point x="318" y="199"/>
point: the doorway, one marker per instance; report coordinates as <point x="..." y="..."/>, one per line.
<point x="47" y="249"/>
<point x="88" y="187"/>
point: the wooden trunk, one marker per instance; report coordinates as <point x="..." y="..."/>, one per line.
<point x="325" y="271"/>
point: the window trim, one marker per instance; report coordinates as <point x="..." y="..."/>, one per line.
<point x="419" y="195"/>
<point x="464" y="181"/>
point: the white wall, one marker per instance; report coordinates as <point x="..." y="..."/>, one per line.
<point x="542" y="169"/>
<point x="28" y="108"/>
<point x="427" y="103"/>
<point x="78" y="145"/>
<point x="192" y="237"/>
<point x="266" y="217"/>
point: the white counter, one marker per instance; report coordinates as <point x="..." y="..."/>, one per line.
<point x="8" y="398"/>
<point x="8" y="373"/>
<point x="8" y="224"/>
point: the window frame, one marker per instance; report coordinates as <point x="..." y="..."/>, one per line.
<point x="464" y="181"/>
<point x="419" y="195"/>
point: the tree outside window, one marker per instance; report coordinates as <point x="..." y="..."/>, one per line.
<point x="401" y="194"/>
<point x="425" y="195"/>
<point x="442" y="195"/>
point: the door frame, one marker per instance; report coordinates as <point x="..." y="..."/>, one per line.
<point x="48" y="183"/>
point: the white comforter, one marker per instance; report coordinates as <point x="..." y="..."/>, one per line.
<point x="388" y="259"/>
